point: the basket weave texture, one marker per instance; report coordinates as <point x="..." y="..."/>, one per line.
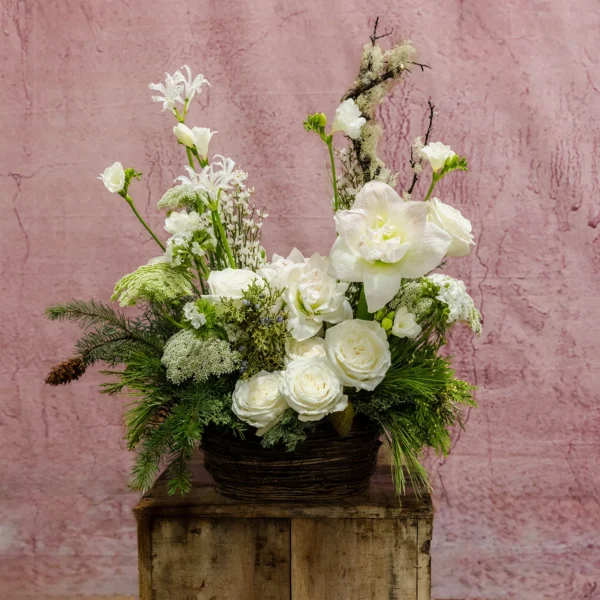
<point x="323" y="467"/>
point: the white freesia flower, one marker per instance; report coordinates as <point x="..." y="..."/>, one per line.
<point x="313" y="297"/>
<point x="193" y="315"/>
<point x="312" y="388"/>
<point x="202" y="136"/>
<point x="405" y="324"/>
<point x="311" y="348"/>
<point x="192" y="85"/>
<point x="359" y="353"/>
<point x="383" y="239"/>
<point x="453" y="293"/>
<point x="437" y="154"/>
<point x="277" y="270"/>
<point x="113" y="177"/>
<point x="348" y="119"/>
<point x="171" y="90"/>
<point x="258" y="401"/>
<point x="184" y="134"/>
<point x="452" y="222"/>
<point x="229" y="283"/>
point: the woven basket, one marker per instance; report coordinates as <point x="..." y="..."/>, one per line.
<point x="323" y="467"/>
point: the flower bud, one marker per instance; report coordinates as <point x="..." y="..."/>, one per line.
<point x="184" y="134"/>
<point x="387" y="324"/>
<point x="202" y="137"/>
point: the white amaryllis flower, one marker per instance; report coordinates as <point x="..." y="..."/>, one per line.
<point x="405" y="324"/>
<point x="184" y="134"/>
<point x="437" y="154"/>
<point x="113" y="177"/>
<point x="193" y="315"/>
<point x="229" y="283"/>
<point x="452" y="222"/>
<point x="277" y="270"/>
<point x="171" y="90"/>
<point x="359" y="353"/>
<point x="258" y="401"/>
<point x="348" y="119"/>
<point x="312" y="388"/>
<point x="313" y="297"/>
<point x="192" y="85"/>
<point x="383" y="239"/>
<point x="202" y="136"/>
<point x="311" y="348"/>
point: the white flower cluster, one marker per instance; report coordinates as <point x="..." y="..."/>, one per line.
<point x="191" y="235"/>
<point x="178" y="88"/>
<point x="453" y="293"/>
<point x="353" y="354"/>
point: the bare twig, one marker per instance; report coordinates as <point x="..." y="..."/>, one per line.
<point x="413" y="162"/>
<point x="376" y="37"/>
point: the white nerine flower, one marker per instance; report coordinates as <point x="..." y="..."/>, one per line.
<point x="229" y="283"/>
<point x="202" y="136"/>
<point x="184" y="134"/>
<point x="383" y="239"/>
<point x="215" y="178"/>
<point x="310" y="348"/>
<point x="193" y="315"/>
<point x="453" y="293"/>
<point x="313" y="297"/>
<point x="348" y="119"/>
<point x="405" y="325"/>
<point x="113" y="177"/>
<point x="312" y="388"/>
<point x="452" y="222"/>
<point x="359" y="353"/>
<point x="171" y="90"/>
<point x="258" y="401"/>
<point x="437" y="154"/>
<point x="192" y="85"/>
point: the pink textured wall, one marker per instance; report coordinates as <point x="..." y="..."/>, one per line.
<point x="517" y="86"/>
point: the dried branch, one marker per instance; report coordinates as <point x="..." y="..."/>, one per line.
<point x="413" y="162"/>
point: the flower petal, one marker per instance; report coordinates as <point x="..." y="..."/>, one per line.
<point x="428" y="254"/>
<point x="351" y="225"/>
<point x="375" y="196"/>
<point x="381" y="282"/>
<point x="343" y="263"/>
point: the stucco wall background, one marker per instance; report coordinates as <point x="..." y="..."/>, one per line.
<point x="517" y="88"/>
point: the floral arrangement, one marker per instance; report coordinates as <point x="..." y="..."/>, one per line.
<point x="225" y="338"/>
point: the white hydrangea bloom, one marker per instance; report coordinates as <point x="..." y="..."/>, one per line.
<point x="453" y="293"/>
<point x="193" y="315"/>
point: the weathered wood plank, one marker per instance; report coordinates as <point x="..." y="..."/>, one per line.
<point x="366" y="559"/>
<point x="220" y="559"/>
<point x="424" y="534"/>
<point x="144" y="540"/>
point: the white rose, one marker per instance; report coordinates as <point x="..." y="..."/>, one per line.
<point x="202" y="137"/>
<point x="348" y="119"/>
<point x="313" y="297"/>
<point x="312" y="389"/>
<point x="258" y="401"/>
<point x="359" y="353"/>
<point x="452" y="222"/>
<point x="405" y="324"/>
<point x="437" y="154"/>
<point x="113" y="177"/>
<point x="229" y="283"/>
<point x="311" y="348"/>
<point x="184" y="134"/>
<point x="276" y="271"/>
<point x="383" y="239"/>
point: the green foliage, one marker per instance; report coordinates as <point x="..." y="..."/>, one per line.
<point x="159" y="283"/>
<point x="456" y="163"/>
<point x="288" y="432"/>
<point x="109" y="335"/>
<point x="316" y="123"/>
<point x="261" y="328"/>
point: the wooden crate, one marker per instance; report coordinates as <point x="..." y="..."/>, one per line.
<point x="206" y="547"/>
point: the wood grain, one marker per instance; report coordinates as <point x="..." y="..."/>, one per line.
<point x="220" y="559"/>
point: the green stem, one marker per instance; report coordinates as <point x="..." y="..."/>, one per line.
<point x="336" y="199"/>
<point x="171" y="320"/>
<point x="434" y="180"/>
<point x="362" y="312"/>
<point x="137" y="214"/>
<point x="190" y="157"/>
<point x="221" y="231"/>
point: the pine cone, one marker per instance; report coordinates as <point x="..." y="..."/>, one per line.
<point x="342" y="421"/>
<point x="66" y="371"/>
